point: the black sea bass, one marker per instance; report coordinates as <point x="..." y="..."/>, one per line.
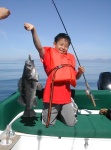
<point x="27" y="86"/>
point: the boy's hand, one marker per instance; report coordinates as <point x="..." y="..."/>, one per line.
<point x="4" y="13"/>
<point x="28" y="26"/>
<point x="81" y="69"/>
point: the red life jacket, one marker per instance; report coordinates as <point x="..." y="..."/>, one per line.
<point x="64" y="64"/>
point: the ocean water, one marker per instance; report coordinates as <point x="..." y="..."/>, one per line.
<point x="11" y="71"/>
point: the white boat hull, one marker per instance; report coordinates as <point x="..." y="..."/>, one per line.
<point x="53" y="143"/>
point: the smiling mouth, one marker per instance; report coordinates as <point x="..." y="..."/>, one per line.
<point x="62" y="51"/>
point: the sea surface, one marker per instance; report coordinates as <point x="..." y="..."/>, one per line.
<point x="11" y="71"/>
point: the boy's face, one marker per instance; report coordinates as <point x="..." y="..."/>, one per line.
<point x="62" y="45"/>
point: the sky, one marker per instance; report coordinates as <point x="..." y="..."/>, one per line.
<point x="88" y="23"/>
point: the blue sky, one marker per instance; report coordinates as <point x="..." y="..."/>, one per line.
<point x="88" y="23"/>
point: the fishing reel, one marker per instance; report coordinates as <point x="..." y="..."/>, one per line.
<point x="90" y="95"/>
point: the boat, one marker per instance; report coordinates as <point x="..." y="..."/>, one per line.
<point x="92" y="130"/>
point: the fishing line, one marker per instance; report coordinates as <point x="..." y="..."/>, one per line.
<point x="68" y="34"/>
<point x="88" y="92"/>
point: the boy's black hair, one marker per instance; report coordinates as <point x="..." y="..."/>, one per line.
<point x="62" y="35"/>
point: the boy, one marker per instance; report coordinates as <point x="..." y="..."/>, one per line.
<point x="55" y="61"/>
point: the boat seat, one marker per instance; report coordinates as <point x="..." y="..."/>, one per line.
<point x="87" y="126"/>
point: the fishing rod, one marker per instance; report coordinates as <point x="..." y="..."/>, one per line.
<point x="88" y="91"/>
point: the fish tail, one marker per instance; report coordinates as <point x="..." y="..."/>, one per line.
<point x="29" y="113"/>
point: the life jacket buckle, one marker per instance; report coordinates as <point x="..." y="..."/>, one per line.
<point x="59" y="66"/>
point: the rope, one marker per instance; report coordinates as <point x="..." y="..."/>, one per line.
<point x="52" y="89"/>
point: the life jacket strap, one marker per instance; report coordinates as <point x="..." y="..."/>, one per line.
<point x="59" y="67"/>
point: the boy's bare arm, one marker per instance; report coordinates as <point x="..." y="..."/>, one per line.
<point x="35" y="37"/>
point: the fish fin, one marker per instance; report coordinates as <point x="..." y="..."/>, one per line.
<point x="34" y="102"/>
<point x="29" y="113"/>
<point x="20" y="85"/>
<point x="21" y="102"/>
<point x="39" y="86"/>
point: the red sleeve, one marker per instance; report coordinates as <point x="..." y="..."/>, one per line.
<point x="46" y="61"/>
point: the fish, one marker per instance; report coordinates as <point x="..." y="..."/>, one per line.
<point x="27" y="86"/>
